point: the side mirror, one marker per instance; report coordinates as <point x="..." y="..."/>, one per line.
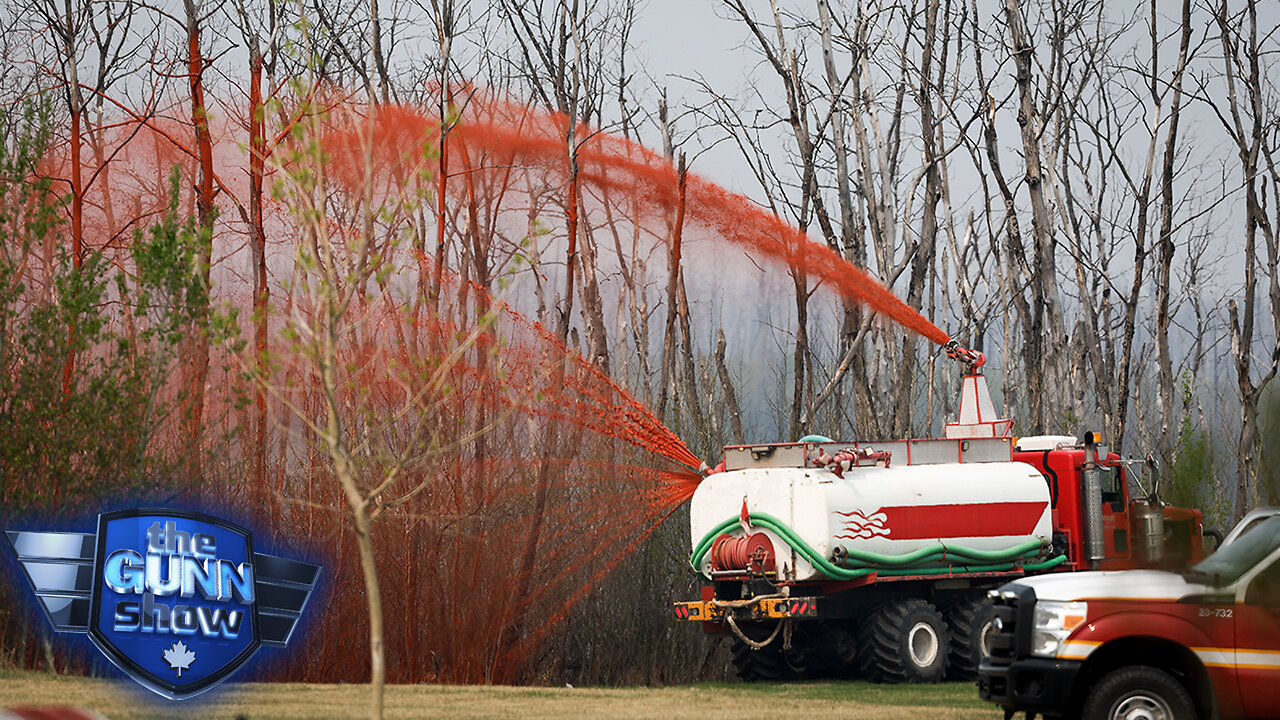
<point x="1154" y="466"/>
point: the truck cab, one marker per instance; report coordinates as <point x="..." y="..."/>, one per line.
<point x="1099" y="523"/>
<point x="1197" y="644"/>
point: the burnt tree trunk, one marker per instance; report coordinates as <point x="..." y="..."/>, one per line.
<point x="198" y="339"/>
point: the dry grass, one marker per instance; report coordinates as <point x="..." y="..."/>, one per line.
<point x="122" y="700"/>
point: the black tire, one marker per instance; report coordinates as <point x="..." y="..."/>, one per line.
<point x="1139" y="691"/>
<point x="834" y="652"/>
<point x="969" y="622"/>
<point x="904" y="641"/>
<point x="771" y="662"/>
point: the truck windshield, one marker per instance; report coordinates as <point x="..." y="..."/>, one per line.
<point x="1227" y="565"/>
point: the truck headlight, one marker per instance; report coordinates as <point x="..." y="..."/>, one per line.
<point x="1053" y="622"/>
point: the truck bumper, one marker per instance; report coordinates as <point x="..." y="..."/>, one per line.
<point x="1039" y="685"/>
<point x="714" y="611"/>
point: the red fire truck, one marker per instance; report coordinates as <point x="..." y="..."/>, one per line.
<point x="1150" y="644"/>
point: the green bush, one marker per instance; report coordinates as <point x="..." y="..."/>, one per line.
<point x="85" y="353"/>
<point x="1189" y="481"/>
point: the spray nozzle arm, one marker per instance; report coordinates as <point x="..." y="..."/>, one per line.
<point x="973" y="358"/>
<point x="706" y="470"/>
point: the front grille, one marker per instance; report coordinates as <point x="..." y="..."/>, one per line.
<point x="1011" y="635"/>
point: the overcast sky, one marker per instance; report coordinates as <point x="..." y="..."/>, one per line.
<point x="680" y="39"/>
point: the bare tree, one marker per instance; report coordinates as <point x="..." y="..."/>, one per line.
<point x="1044" y="337"/>
<point x="93" y="46"/>
<point x="1250" y="112"/>
<point x="1166" y="246"/>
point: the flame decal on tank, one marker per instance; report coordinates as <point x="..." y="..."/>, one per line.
<point x="863" y="527"/>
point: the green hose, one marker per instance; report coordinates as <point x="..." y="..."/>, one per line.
<point x="948" y="569"/>
<point x="941" y="551"/>
<point x="771" y="523"/>
<point x="995" y="561"/>
<point x="1050" y="563"/>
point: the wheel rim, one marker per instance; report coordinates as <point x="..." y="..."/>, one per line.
<point x="922" y="644"/>
<point x="1141" y="706"/>
<point x="984" y="638"/>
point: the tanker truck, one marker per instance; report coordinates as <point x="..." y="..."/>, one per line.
<point x="874" y="559"/>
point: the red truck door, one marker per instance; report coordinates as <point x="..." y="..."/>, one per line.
<point x="1117" y="544"/>
<point x="1258" y="641"/>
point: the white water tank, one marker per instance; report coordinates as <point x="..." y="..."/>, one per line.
<point x="982" y="506"/>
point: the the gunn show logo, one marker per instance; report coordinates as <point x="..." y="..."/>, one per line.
<point x="183" y="565"/>
<point x="178" y="600"/>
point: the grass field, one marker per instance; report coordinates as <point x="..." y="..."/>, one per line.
<point x="121" y="700"/>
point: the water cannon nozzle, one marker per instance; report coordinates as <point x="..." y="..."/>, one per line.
<point x="974" y="359"/>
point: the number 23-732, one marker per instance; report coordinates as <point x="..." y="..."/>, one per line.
<point x="1216" y="612"/>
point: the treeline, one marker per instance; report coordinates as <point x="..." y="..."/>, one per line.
<point x="467" y="481"/>
<point x="395" y="298"/>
